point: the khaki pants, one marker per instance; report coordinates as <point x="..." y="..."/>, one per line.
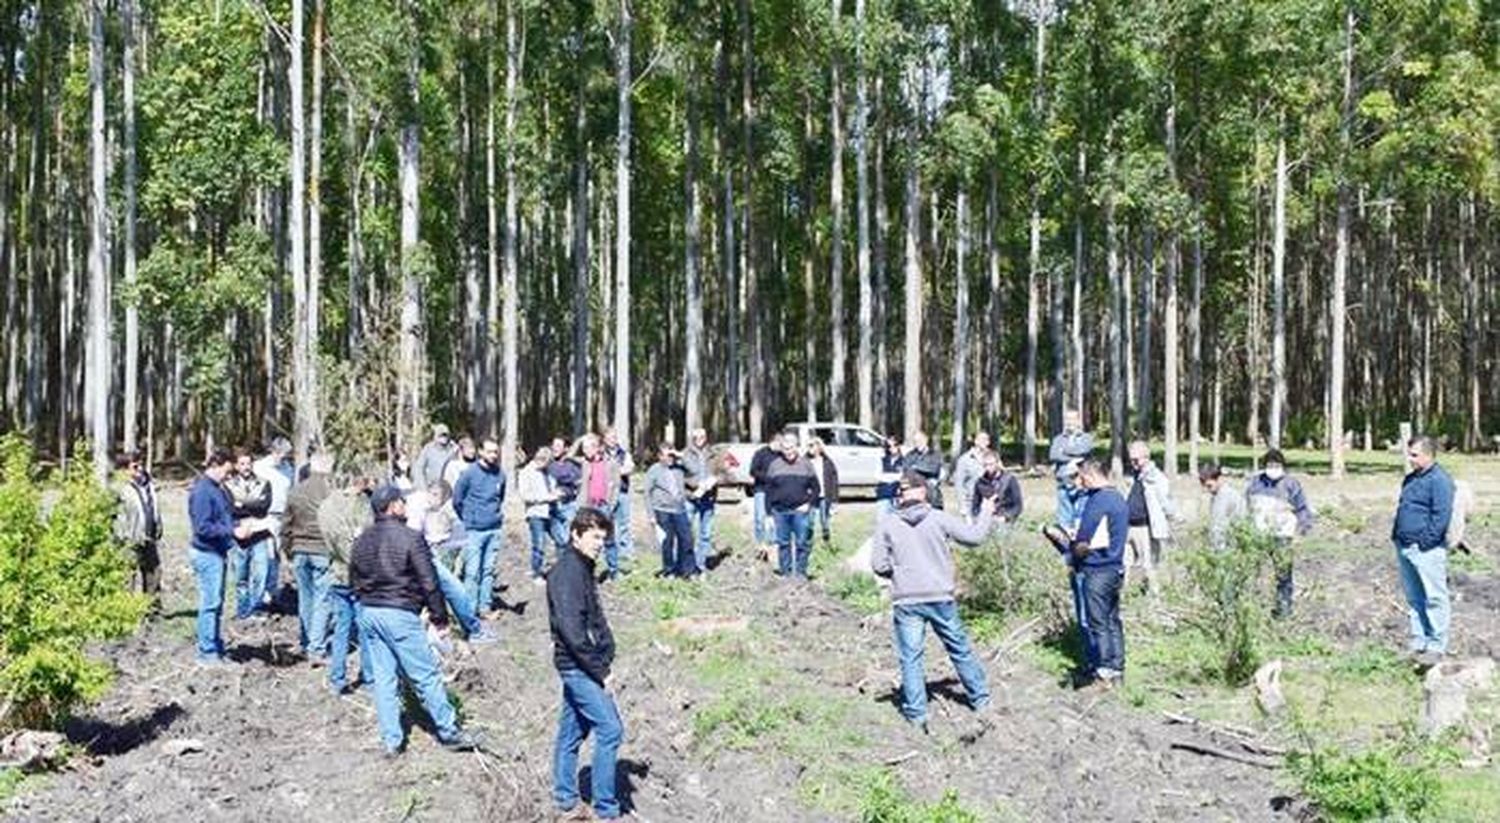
<point x="1145" y="552"/>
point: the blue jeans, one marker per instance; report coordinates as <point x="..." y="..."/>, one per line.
<point x="455" y="593"/>
<point x="1069" y="506"/>
<point x="702" y="514"/>
<point x="313" y="581"/>
<point x="1424" y="576"/>
<point x="398" y="646"/>
<point x="540" y="528"/>
<point x="911" y="622"/>
<point x="562" y="522"/>
<point x="208" y="567"/>
<point x="1081" y="615"/>
<point x="252" y="570"/>
<point x="1101" y="594"/>
<point x="624" y="540"/>
<point x="676" y="544"/>
<point x="822" y="511"/>
<point x="793" y="541"/>
<point x="480" y="555"/>
<point x="759" y="524"/>
<point x="345" y="612"/>
<point x="586" y="709"/>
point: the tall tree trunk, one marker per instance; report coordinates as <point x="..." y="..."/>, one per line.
<point x="1080" y="268"/>
<point x="1169" y="314"/>
<point x="1472" y="363"/>
<point x="836" y="243"/>
<point x="132" y="310"/>
<point x="996" y="310"/>
<point x="315" y="228"/>
<point x="1341" y="261"/>
<point x="747" y="235"/>
<point x="693" y="412"/>
<point x="912" y="356"/>
<point x="878" y="265"/>
<point x="355" y="239"/>
<point x="1195" y="312"/>
<point x="1034" y="261"/>
<point x="297" y="237"/>
<point x="580" y="403"/>
<point x="489" y="388"/>
<point x="865" y="362"/>
<point x="622" y="228"/>
<point x="100" y="371"/>
<point x="511" y="428"/>
<point x="1144" y="400"/>
<point x="1117" y="421"/>
<point x="961" y="321"/>
<point x="728" y="256"/>
<point x="1278" y="294"/>
<point x="412" y="369"/>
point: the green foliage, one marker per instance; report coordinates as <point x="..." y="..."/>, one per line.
<point x="63" y="582"/>
<point x="1390" y="781"/>
<point x="1227" y="599"/>
<point x="1008" y="579"/>
<point x="885" y="801"/>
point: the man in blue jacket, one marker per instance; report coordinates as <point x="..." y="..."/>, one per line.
<point x="1098" y="551"/>
<point x="477" y="498"/>
<point x="1420" y="533"/>
<point x="214" y="534"/>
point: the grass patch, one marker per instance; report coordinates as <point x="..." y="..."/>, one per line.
<point x="828" y="565"/>
<point x="1467" y="796"/>
<point x="1396" y="780"/>
<point x="1473" y="564"/>
<point x="10" y="784"/>
<point x="885" y="801"/>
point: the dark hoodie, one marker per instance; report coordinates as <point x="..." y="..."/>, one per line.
<point x="911" y="548"/>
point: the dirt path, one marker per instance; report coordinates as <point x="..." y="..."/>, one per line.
<point x="790" y="719"/>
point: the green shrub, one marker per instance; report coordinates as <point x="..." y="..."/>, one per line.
<point x="1010" y="578"/>
<point x="885" y="801"/>
<point x="63" y="583"/>
<point x="1228" y="601"/>
<point x="1394" y="781"/>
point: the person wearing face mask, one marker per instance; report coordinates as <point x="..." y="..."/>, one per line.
<point x="1151" y="512"/>
<point x="1278" y="507"/>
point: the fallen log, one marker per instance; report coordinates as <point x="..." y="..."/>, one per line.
<point x="1211" y="751"/>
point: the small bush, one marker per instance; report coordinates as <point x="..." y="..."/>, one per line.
<point x="1229" y="603"/>
<point x="885" y="801"/>
<point x="1394" y="781"/>
<point x="63" y="583"/>
<point x="1010" y="580"/>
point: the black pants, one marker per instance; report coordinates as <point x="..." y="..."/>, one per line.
<point x="148" y="562"/>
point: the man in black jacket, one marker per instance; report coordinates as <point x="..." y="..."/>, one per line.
<point x="1000" y="484"/>
<point x="927" y="462"/>
<point x="791" y="490"/>
<point x="390" y="570"/>
<point x="583" y="650"/>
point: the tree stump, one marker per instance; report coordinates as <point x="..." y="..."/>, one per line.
<point x="1268" y="688"/>
<point x="1447" y="686"/>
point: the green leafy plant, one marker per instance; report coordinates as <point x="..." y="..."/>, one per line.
<point x="1393" y="781"/>
<point x="1228" y="603"/>
<point x="63" y="582"/>
<point x="1007" y="580"/>
<point x="885" y="801"/>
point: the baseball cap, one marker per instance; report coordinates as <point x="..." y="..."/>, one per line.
<point x="911" y="479"/>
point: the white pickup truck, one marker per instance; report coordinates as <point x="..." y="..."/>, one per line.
<point x="855" y="450"/>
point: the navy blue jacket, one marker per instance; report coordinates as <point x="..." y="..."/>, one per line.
<point x="1101" y="504"/>
<point x="889" y="464"/>
<point x="568" y="475"/>
<point x="477" y="497"/>
<point x="211" y="516"/>
<point x="1424" y="511"/>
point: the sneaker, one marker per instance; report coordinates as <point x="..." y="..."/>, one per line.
<point x="213" y="663"/>
<point x="538" y="580"/>
<point x="578" y="812"/>
<point x="461" y="742"/>
<point x="391" y="754"/>
<point x="484" y="636"/>
<point x="1428" y="660"/>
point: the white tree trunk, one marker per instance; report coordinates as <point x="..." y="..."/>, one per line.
<point x="1169" y="312"/>
<point x="1341" y="263"/>
<point x="622" y="227"/>
<point x="315" y="230"/>
<point x="912" y="357"/>
<point x="411" y="366"/>
<point x="961" y="323"/>
<point x="100" y="373"/>
<point x="865" y="364"/>
<point x="132" y="311"/>
<point x="1278" y="296"/>
<point x="836" y="244"/>
<point x="512" y="424"/>
<point x="1034" y="270"/>
<point x="297" y="235"/>
<point x="691" y="270"/>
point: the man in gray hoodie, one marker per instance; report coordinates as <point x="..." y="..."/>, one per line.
<point x="911" y="548"/>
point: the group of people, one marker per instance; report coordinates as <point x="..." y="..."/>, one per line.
<point x="1102" y="532"/>
<point x="372" y="557"/>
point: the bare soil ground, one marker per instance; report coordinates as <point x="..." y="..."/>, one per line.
<point x="789" y="716"/>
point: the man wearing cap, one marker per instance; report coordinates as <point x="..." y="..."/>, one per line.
<point x="911" y="549"/>
<point x="391" y="572"/>
<point x="433" y="457"/>
<point x="1069" y="448"/>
